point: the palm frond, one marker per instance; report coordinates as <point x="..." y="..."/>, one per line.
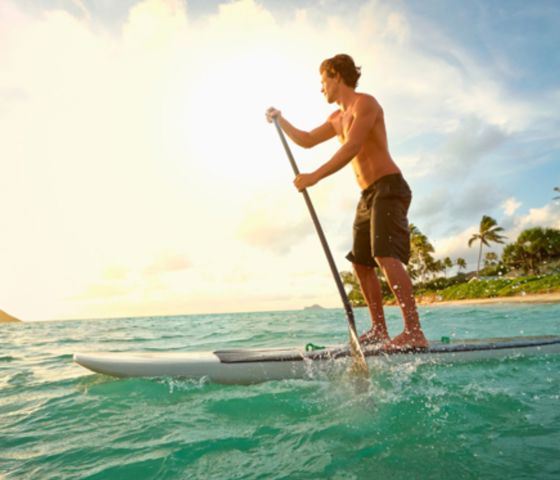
<point x="495" y="237"/>
<point x="487" y="223"/>
<point x="473" y="239"/>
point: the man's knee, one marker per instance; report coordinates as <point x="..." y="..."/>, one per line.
<point x="361" y="269"/>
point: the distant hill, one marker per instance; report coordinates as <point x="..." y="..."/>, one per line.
<point x="314" y="307"/>
<point x="5" y="318"/>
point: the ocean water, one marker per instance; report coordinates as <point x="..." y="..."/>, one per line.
<point x="485" y="420"/>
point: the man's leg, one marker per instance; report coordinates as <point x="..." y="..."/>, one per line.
<point x="401" y="286"/>
<point x="371" y="289"/>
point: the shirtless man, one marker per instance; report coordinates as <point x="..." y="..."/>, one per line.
<point x="381" y="234"/>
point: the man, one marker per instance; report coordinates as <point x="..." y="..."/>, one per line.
<point x="381" y="234"/>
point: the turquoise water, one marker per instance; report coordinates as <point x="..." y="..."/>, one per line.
<point x="493" y="419"/>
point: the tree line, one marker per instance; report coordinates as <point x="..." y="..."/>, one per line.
<point x="533" y="248"/>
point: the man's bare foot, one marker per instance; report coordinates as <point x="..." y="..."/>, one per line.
<point x="374" y="335"/>
<point x="407" y="341"/>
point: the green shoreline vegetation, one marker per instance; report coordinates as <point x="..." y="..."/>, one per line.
<point x="492" y="288"/>
<point x="529" y="265"/>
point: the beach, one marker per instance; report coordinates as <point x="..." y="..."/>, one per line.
<point x="529" y="299"/>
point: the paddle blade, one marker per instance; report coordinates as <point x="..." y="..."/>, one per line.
<point x="359" y="366"/>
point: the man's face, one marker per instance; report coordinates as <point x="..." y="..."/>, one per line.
<point x="329" y="87"/>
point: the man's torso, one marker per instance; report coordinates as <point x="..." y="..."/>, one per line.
<point x="373" y="161"/>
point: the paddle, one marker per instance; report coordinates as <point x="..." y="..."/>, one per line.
<point x="359" y="365"/>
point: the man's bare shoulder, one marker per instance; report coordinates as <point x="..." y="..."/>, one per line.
<point x="334" y="116"/>
<point x="366" y="101"/>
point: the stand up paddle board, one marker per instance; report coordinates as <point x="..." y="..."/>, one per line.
<point x="246" y="366"/>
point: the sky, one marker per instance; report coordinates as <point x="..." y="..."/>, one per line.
<point x="138" y="175"/>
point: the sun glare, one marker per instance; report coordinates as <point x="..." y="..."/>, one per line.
<point x="153" y="141"/>
<point x="220" y="115"/>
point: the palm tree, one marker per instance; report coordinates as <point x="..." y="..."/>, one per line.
<point x="421" y="260"/>
<point x="447" y="263"/>
<point x="436" y="267"/>
<point x="461" y="263"/>
<point x="488" y="232"/>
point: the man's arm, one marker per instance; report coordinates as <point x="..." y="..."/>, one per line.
<point x="300" y="137"/>
<point x="367" y="110"/>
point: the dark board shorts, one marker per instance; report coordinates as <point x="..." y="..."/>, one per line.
<point x="381" y="224"/>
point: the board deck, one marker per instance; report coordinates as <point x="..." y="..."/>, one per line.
<point x="244" y="366"/>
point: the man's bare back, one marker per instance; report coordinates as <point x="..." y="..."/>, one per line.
<point x="373" y="161"/>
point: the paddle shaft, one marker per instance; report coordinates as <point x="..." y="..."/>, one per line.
<point x="327" y="250"/>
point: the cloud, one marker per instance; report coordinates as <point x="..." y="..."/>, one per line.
<point x="431" y="203"/>
<point x="167" y="263"/>
<point x="459" y="151"/>
<point x="80" y="6"/>
<point x="272" y="229"/>
<point x="103" y="291"/>
<point x="123" y="283"/>
<point x="10" y="97"/>
<point x="456" y="246"/>
<point x="510" y="206"/>
<point x="153" y="24"/>
<point x="471" y="141"/>
<point x="446" y="210"/>
<point x="116" y="272"/>
<point x="476" y="199"/>
<point x="546" y="216"/>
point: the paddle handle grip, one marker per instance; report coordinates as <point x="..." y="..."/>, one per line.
<point x="322" y="238"/>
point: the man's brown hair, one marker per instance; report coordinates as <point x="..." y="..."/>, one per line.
<point x="343" y="65"/>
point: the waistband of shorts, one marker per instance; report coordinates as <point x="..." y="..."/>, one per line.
<point x="385" y="178"/>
